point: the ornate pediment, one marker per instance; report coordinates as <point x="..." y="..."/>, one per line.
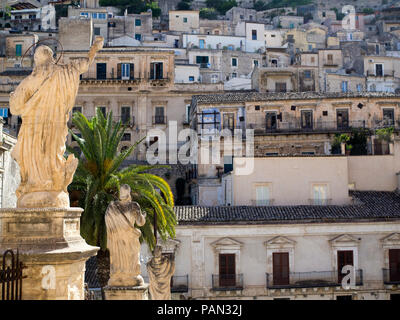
<point x="344" y="239"/>
<point x="170" y="245"/>
<point x="227" y="243"/>
<point x="279" y="241"/>
<point x="391" y="239"/>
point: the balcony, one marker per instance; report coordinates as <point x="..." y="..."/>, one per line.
<point x="179" y="284"/>
<point x="297" y="126"/>
<point x="386" y="73"/>
<point x="391" y="276"/>
<point x="314" y="279"/>
<point x="159" y="120"/>
<point x="93" y="77"/>
<point x="227" y="282"/>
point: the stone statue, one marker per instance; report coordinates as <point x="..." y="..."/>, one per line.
<point x="44" y="100"/>
<point x="123" y="240"/>
<point x="160" y="270"/>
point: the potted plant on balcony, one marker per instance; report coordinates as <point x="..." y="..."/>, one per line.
<point x="384" y="135"/>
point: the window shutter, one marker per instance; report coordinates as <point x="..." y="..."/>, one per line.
<point x="152" y="70"/>
<point x="131" y="71"/>
<point x="119" y="70"/>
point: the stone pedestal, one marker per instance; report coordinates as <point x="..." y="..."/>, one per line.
<point x="127" y="293"/>
<point x="51" y="248"/>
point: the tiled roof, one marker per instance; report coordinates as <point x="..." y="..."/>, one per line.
<point x="367" y="205"/>
<point x="270" y="96"/>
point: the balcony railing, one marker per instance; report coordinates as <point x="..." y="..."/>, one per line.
<point x="227" y="282"/>
<point x="385" y="73"/>
<point x="312" y="279"/>
<point x="159" y="120"/>
<point x="391" y="276"/>
<point x="109" y="77"/>
<point x="180" y="283"/>
<point x="299" y="126"/>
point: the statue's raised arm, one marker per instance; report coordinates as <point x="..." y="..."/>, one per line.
<point x="83" y="64"/>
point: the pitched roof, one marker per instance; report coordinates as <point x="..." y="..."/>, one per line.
<point x="367" y="206"/>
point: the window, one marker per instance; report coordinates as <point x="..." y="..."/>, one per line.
<point x="394" y="265"/>
<point x="101" y="71"/>
<point x="138" y="37"/>
<point x="191" y="78"/>
<point x="126" y="115"/>
<point x="280" y="262"/>
<point x="228" y="164"/>
<point x="377" y="49"/>
<point x="253" y="34"/>
<point x="138" y="22"/>
<point x="388" y="117"/>
<point x="227" y="269"/>
<point x="255" y="63"/>
<point x="280" y="87"/>
<point x="156" y="70"/>
<point x="94" y="15"/>
<point x="159" y="115"/>
<point x="103" y="110"/>
<point x="202" y="43"/>
<point x="102" y="16"/>
<point x="228" y="121"/>
<point x="234" y="62"/>
<point x="379" y="70"/>
<point x="126" y="137"/>
<point x="271" y="121"/>
<point x="344" y="258"/>
<point x="96" y="31"/>
<point x="330" y="58"/>
<point x="310" y="47"/>
<point x="320" y="194"/>
<point x="231" y="47"/>
<point x="342" y="118"/>
<point x="307" y="74"/>
<point x="187" y="114"/>
<point x="18" y="50"/>
<point x="262" y="195"/>
<point x="234" y="75"/>
<point x="214" y="78"/>
<point x="84" y="14"/>
<point x="77" y="109"/>
<point x="345" y="86"/>
<point x="359" y="87"/>
<point x="291" y="25"/>
<point x="184" y="19"/>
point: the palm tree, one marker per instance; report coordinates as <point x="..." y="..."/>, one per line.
<point x="99" y="176"/>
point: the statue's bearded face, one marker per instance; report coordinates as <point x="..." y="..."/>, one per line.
<point x="43" y="55"/>
<point x="125" y="192"/>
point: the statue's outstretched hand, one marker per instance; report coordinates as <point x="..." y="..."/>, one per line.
<point x="98" y="43"/>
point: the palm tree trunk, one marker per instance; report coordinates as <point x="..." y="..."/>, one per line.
<point x="103" y="267"/>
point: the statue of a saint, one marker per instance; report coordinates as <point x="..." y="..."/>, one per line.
<point x="44" y="100"/>
<point x="123" y="240"/>
<point x="160" y="270"/>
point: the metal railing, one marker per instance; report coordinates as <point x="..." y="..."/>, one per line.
<point x="109" y="76"/>
<point x="385" y="73"/>
<point x="222" y="282"/>
<point x="312" y="279"/>
<point x="391" y="276"/>
<point x="299" y="126"/>
<point x="11" y="276"/>
<point x="159" y="120"/>
<point x="180" y="283"/>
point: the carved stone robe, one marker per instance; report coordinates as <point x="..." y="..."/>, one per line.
<point x="123" y="243"/>
<point x="160" y="272"/>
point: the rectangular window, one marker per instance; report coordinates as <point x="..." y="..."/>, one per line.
<point x="253" y="34"/>
<point x="388" y="117"/>
<point x="84" y="14"/>
<point x="156" y="70"/>
<point x="307" y="74"/>
<point x="359" y="87"/>
<point x="94" y="15"/>
<point x="203" y="61"/>
<point x="184" y="19"/>
<point x="271" y="121"/>
<point x="320" y="194"/>
<point x="101" y="71"/>
<point x="77" y="109"/>
<point x="18" y="50"/>
<point x="126" y="137"/>
<point x="191" y="78"/>
<point x="187" y="115"/>
<point x="159" y="115"/>
<point x="344" y="258"/>
<point x="280" y="87"/>
<point x="103" y="110"/>
<point x="330" y="58"/>
<point x="345" y="86"/>
<point x="227" y="270"/>
<point x="138" y="22"/>
<point x="234" y="62"/>
<point x="234" y="75"/>
<point x="394" y="265"/>
<point x="342" y="118"/>
<point x="126" y="115"/>
<point x="255" y="62"/>
<point x="102" y="16"/>
<point x="228" y="164"/>
<point x="138" y="37"/>
<point x="280" y="268"/>
<point x="202" y="43"/>
<point x="262" y="196"/>
<point x="228" y="121"/>
<point x="379" y="70"/>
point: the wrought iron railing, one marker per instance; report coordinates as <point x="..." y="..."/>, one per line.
<point x="222" y="282"/>
<point x="11" y="276"/>
<point x="312" y="279"/>
<point x="391" y="276"/>
<point x="159" y="120"/>
<point x="180" y="283"/>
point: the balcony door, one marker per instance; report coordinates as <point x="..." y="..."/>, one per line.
<point x="101" y="69"/>
<point x="306" y="119"/>
<point x="394" y="264"/>
<point x="344" y="258"/>
<point x="280" y="263"/>
<point x="270" y="120"/>
<point x="342" y="119"/>
<point x="227" y="270"/>
<point x="156" y="70"/>
<point x="125" y="115"/>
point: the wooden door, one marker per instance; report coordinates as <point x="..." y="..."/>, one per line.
<point x="344" y="258"/>
<point x="394" y="264"/>
<point x="227" y="270"/>
<point x="280" y="268"/>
